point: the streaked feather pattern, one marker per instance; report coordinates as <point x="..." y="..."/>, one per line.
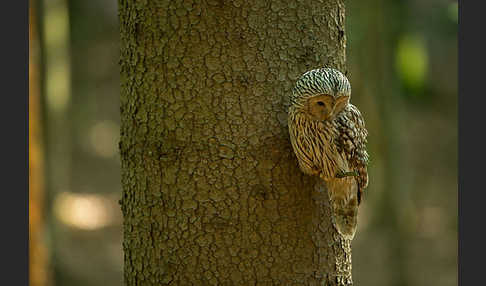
<point x="327" y="147"/>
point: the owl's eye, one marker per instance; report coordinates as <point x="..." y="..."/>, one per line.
<point x="320" y="103"/>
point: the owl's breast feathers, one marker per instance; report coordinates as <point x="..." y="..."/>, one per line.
<point x="325" y="148"/>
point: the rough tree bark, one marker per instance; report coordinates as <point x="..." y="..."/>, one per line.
<point x="212" y="193"/>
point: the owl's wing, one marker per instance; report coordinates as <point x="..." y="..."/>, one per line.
<point x="352" y="142"/>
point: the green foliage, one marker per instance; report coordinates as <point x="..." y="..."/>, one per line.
<point x="411" y="62"/>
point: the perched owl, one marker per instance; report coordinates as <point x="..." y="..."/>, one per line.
<point x="328" y="133"/>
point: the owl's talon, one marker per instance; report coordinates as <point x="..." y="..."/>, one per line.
<point x="342" y="174"/>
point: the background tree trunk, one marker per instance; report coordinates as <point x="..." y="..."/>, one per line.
<point x="38" y="253"/>
<point x="212" y="193"/>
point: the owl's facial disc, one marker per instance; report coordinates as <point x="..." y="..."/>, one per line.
<point x="325" y="107"/>
<point x="320" y="107"/>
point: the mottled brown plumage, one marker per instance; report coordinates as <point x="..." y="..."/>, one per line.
<point x="328" y="133"/>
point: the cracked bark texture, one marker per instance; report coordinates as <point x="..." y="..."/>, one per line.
<point x="212" y="192"/>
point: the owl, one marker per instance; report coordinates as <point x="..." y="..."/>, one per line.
<point x="328" y="133"/>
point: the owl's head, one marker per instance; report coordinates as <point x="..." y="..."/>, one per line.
<point x="321" y="93"/>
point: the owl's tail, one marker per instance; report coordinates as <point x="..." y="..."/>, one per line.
<point x="344" y="198"/>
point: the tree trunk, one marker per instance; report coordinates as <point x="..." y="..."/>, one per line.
<point x="38" y="252"/>
<point x="212" y="192"/>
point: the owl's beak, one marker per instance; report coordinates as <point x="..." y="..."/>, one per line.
<point x="331" y="115"/>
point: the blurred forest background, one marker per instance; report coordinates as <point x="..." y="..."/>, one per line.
<point x="402" y="65"/>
